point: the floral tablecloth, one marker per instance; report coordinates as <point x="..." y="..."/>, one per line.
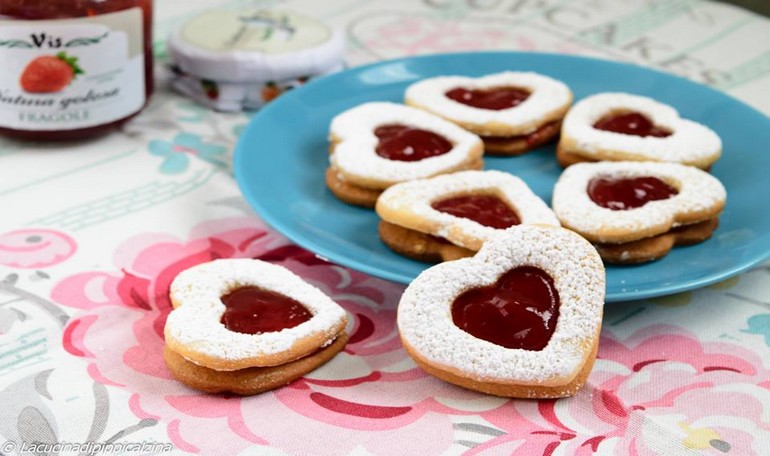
<point x="91" y="234"/>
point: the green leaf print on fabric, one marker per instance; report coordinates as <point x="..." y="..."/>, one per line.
<point x="759" y="324"/>
<point x="176" y="152"/>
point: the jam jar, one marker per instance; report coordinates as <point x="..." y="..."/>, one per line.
<point x="73" y="69"/>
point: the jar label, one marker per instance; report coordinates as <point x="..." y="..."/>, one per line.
<point x="271" y="32"/>
<point x="67" y="74"/>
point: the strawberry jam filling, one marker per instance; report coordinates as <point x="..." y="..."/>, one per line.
<point x="536" y="137"/>
<point x="518" y="311"/>
<point x="620" y="194"/>
<point x="251" y="310"/>
<point x="493" y="99"/>
<point x="631" y="123"/>
<point x="487" y="210"/>
<point x="403" y="143"/>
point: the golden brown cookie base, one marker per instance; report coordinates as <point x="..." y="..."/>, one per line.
<point x="302" y="347"/>
<point x="367" y="197"/>
<point x="567" y="158"/>
<point x="420" y="246"/>
<point x="655" y="247"/>
<point x="252" y="380"/>
<point x="507" y="389"/>
<point x="517" y="145"/>
<point x="350" y="193"/>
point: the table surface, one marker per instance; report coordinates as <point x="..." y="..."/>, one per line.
<point x="91" y="233"/>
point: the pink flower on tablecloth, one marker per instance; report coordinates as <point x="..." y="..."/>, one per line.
<point x="659" y="373"/>
<point x="371" y="393"/>
<point x="121" y="333"/>
<point x="35" y="248"/>
<point x="121" y="330"/>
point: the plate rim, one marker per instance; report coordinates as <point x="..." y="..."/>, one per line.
<point x="285" y="228"/>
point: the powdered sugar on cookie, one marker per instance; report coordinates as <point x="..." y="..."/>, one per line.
<point x="194" y="326"/>
<point x="409" y="205"/>
<point x="700" y="196"/>
<point x="548" y="100"/>
<point x="426" y="325"/>
<point x="354" y="156"/>
<point x="689" y="143"/>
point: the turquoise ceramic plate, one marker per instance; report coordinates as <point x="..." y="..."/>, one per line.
<point x="281" y="158"/>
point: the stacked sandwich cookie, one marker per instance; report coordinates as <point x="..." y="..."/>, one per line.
<point x="451" y="216"/>
<point x="246" y="326"/>
<point x="623" y="127"/>
<point x="519" y="319"/>
<point x="379" y="144"/>
<point x="636" y="212"/>
<point x="513" y="112"/>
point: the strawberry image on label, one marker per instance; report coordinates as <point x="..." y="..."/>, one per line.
<point x="49" y="73"/>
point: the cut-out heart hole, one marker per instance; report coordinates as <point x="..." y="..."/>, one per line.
<point x="621" y="194"/>
<point x="251" y="310"/>
<point x="495" y="99"/>
<point x="631" y="123"/>
<point x="518" y="311"/>
<point x="404" y="143"/>
<point x="488" y="210"/>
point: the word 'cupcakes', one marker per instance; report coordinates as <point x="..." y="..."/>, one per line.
<point x="450" y="216"/>
<point x="636" y="212"/>
<point x="621" y="126"/>
<point x="378" y="144"/>
<point x="519" y="319"/>
<point x="247" y="326"/>
<point x="513" y="112"/>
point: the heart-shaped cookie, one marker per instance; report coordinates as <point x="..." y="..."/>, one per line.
<point x="379" y="144"/>
<point x="233" y="314"/>
<point x="465" y="208"/>
<point x="519" y="319"/>
<point x="513" y="112"/>
<point x="637" y="211"/>
<point x="622" y="126"/>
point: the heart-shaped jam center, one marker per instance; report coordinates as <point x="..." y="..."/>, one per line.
<point x="493" y="99"/>
<point x="403" y="143"/>
<point x="487" y="210"/>
<point x="631" y="123"/>
<point x="251" y="310"/>
<point x="620" y="194"/>
<point x="519" y="311"/>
